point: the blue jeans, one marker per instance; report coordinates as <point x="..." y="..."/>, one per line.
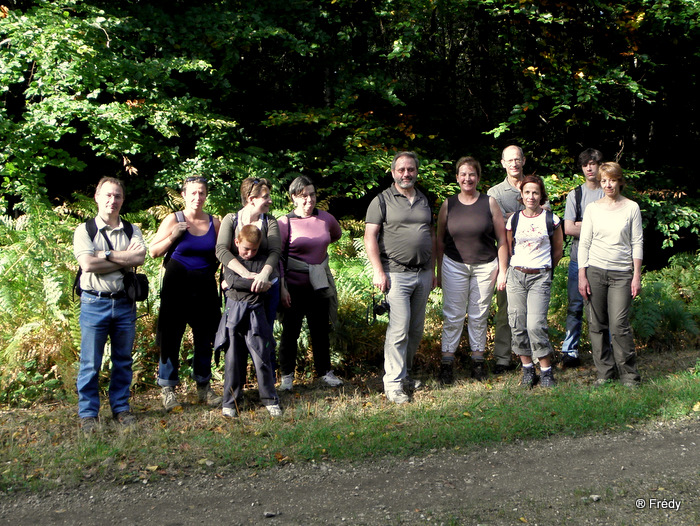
<point x="574" y="312"/>
<point x="101" y="318"/>
<point x="407" y="297"/>
<point x="574" y="315"/>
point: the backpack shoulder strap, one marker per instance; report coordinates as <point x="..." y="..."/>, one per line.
<point x="549" y="219"/>
<point x="128" y="229"/>
<point x="382" y="206"/>
<point x="514" y="226"/>
<point x="578" y="196"/>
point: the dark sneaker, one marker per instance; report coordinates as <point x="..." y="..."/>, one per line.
<point x="478" y="371"/>
<point x="530" y="378"/>
<point x="547" y="379"/>
<point x="206" y="395"/>
<point x="170" y="402"/>
<point x="569" y="360"/>
<point x="125" y="418"/>
<point x="501" y="368"/>
<point x="89" y="424"/>
<point x="411" y="384"/>
<point x="447" y="376"/>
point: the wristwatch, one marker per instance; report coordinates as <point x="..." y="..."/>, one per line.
<point x="107" y="254"/>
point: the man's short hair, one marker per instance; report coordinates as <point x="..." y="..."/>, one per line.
<point x="112" y="180"/>
<point x="588" y="155"/>
<point x="520" y="151"/>
<point x="251" y="234"/>
<point x="412" y="155"/>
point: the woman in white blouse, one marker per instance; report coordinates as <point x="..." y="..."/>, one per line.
<point x="536" y="241"/>
<point x="609" y="276"/>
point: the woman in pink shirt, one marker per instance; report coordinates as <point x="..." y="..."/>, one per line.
<point x="308" y="289"/>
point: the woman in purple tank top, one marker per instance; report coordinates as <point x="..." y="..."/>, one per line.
<point x="472" y="257"/>
<point x="189" y="293"/>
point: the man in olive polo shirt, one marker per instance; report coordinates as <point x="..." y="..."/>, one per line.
<point x="105" y="309"/>
<point x="507" y="195"/>
<point x="400" y="243"/>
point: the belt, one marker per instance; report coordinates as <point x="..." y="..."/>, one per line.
<point x="532" y="270"/>
<point x="112" y="295"/>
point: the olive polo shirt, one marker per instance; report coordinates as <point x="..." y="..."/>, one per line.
<point x="405" y="241"/>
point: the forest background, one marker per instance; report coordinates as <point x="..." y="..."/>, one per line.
<point x="155" y="91"/>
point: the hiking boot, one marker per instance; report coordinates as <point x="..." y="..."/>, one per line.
<point x="229" y="412"/>
<point x="446" y="373"/>
<point x="331" y="379"/>
<point x="411" y="384"/>
<point x="530" y="378"/>
<point x="125" y="418"/>
<point x="547" y="379"/>
<point x="287" y="382"/>
<point x="170" y="402"/>
<point x="275" y="410"/>
<point x="398" y="397"/>
<point x="478" y="371"/>
<point x="569" y="360"/>
<point x="206" y="395"/>
<point x="89" y="424"/>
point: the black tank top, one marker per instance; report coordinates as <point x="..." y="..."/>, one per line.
<point x="469" y="234"/>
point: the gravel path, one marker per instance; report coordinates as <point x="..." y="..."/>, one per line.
<point x="639" y="476"/>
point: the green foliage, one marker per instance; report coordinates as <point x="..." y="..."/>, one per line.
<point x="667" y="310"/>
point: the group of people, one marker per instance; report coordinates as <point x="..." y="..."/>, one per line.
<point x="506" y="240"/>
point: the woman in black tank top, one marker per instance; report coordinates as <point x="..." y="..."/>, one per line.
<point x="472" y="258"/>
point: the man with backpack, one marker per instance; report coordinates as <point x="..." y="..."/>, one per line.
<point x="576" y="202"/>
<point x="400" y="244"/>
<point x="105" y="247"/>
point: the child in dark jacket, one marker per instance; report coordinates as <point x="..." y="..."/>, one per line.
<point x="247" y="330"/>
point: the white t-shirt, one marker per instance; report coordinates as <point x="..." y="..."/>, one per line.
<point x="532" y="248"/>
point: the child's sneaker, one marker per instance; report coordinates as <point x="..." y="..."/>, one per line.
<point x="331" y="379"/>
<point x="229" y="412"/>
<point x="287" y="382"/>
<point x="275" y="410"/>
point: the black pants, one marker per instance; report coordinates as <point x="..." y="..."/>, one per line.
<point x="313" y="305"/>
<point x="186" y="298"/>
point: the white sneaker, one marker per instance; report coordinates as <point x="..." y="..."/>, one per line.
<point x="275" y="410"/>
<point x="287" y="382"/>
<point x="398" y="397"/>
<point x="229" y="412"/>
<point x="331" y="379"/>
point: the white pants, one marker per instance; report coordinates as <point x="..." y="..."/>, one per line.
<point x="466" y="289"/>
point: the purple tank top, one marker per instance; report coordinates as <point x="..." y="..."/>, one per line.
<point x="197" y="252"/>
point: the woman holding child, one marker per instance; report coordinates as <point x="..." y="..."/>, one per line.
<point x="308" y="288"/>
<point x="189" y="292"/>
<point x="536" y="241"/>
<point x="255" y="196"/>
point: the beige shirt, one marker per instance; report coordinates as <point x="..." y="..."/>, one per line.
<point x="82" y="245"/>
